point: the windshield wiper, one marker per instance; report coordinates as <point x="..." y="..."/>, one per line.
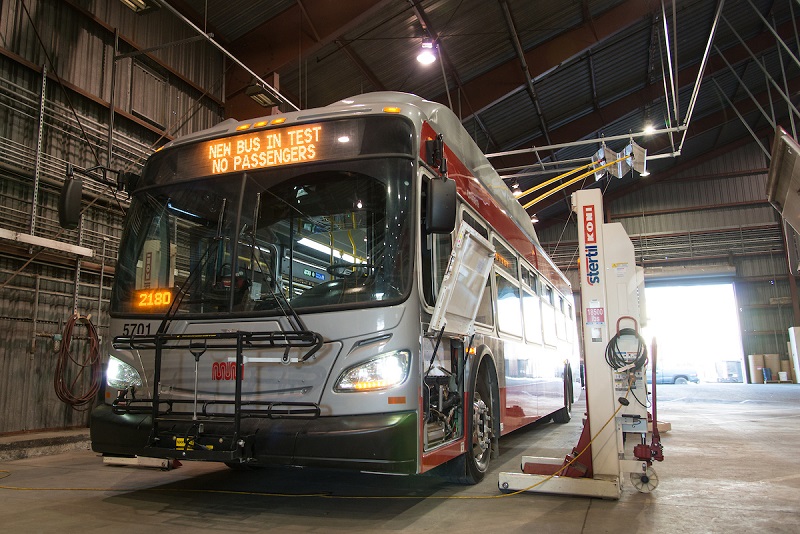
<point x="303" y="334"/>
<point x="193" y="274"/>
<point x="176" y="302"/>
<point x="294" y="319"/>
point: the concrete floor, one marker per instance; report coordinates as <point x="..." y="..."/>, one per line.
<point x="731" y="466"/>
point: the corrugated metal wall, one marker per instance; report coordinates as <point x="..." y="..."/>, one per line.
<point x="158" y="95"/>
<point x="711" y="218"/>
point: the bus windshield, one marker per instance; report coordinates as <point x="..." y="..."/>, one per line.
<point x="322" y="235"/>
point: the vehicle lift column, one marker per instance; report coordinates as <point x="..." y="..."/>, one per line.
<point x="613" y="445"/>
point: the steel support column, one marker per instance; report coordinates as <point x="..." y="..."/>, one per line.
<point x="37" y="162"/>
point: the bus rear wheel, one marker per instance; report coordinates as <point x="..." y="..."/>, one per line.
<point x="564" y="415"/>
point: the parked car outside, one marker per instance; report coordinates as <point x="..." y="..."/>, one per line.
<point x="674" y="375"/>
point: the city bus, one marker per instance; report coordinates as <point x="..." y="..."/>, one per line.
<point x="277" y="284"/>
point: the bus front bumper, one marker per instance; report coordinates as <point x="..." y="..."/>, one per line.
<point x="385" y="442"/>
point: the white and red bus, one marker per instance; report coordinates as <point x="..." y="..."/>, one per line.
<point x="276" y="281"/>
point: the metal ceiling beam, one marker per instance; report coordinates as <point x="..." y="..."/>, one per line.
<point x="698" y="127"/>
<point x="742" y="85"/>
<point x="744" y="106"/>
<point x="274" y="92"/>
<point x="345" y="47"/>
<point x="427" y="27"/>
<point x="200" y="20"/>
<point x="683" y="166"/>
<point x="308" y="20"/>
<point x="596" y="121"/>
<point x="281" y="40"/>
<point x="763" y="68"/>
<point x="701" y="72"/>
<point x="484" y="90"/>
<point x="514" y="36"/>
<point x="593" y="82"/>
<point x="732" y="106"/>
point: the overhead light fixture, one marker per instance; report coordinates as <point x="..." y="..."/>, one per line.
<point x="261" y="96"/>
<point x="534" y="218"/>
<point x="140" y="7"/>
<point x="426" y="55"/>
<point x="645" y="174"/>
<point x="649" y="129"/>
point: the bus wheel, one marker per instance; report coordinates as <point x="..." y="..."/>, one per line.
<point x="563" y="415"/>
<point x="479" y="429"/>
<point x="470" y="467"/>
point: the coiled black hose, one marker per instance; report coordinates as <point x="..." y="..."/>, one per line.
<point x="617" y="359"/>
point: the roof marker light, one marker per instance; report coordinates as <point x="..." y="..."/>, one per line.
<point x="243" y="127"/>
<point x="391" y="109"/>
<point x="279" y="120"/>
<point x="259" y="124"/>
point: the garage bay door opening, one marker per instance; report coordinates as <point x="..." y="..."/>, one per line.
<point x="697" y="331"/>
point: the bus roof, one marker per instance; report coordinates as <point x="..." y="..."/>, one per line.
<point x="444" y="121"/>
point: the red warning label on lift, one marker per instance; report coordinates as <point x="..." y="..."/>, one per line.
<point x="595" y="315"/>
<point x="589" y="224"/>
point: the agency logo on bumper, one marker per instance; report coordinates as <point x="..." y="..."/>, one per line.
<point x="225" y="371"/>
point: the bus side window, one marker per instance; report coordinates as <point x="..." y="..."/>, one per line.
<point x="532" y="310"/>
<point x="530" y="279"/>
<point x="570" y="326"/>
<point x="509" y="307"/>
<point x="473" y="222"/>
<point x="548" y="315"/>
<point x="561" y="320"/>
<point x="484" y="315"/>
<point x="547" y="293"/>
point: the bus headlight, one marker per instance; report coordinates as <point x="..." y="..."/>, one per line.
<point x="120" y="375"/>
<point x="383" y="372"/>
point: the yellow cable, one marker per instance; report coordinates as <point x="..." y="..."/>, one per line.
<point x="575" y="458"/>
<point x="570" y="182"/>
<point x="557" y="178"/>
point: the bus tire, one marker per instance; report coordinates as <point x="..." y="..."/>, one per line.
<point x="564" y="415"/>
<point x="480" y="424"/>
<point x="481" y="439"/>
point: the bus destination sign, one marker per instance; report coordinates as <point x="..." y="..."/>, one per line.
<point x="267" y="148"/>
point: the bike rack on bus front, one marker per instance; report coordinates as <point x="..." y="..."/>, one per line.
<point x="197" y="344"/>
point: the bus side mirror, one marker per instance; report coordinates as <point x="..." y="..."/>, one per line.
<point x="69" y="203"/>
<point x="441" y="206"/>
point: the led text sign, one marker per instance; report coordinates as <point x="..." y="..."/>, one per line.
<point x="148" y="299"/>
<point x="266" y="148"/>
